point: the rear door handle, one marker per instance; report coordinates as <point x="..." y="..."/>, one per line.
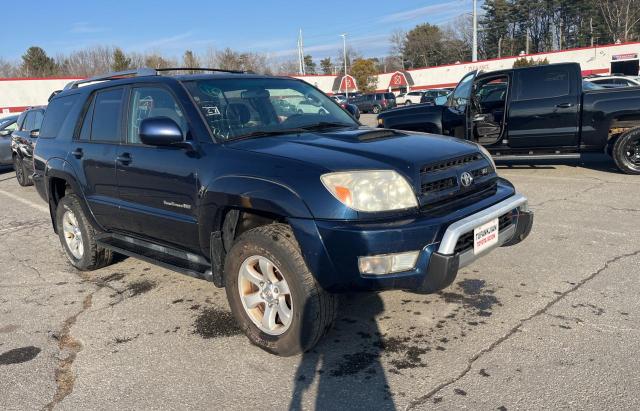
<point x="124" y="158"/>
<point x="77" y="153"/>
<point x="564" y="105"/>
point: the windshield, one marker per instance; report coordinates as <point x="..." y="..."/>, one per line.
<point x="246" y="107"/>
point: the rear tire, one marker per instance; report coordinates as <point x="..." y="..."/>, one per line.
<point x="375" y="109"/>
<point x="21" y="172"/>
<point x="309" y="311"/>
<point x="626" y="152"/>
<point x="78" y="237"/>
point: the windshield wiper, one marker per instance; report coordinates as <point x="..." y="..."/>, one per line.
<point x="326" y="124"/>
<point x="266" y="133"/>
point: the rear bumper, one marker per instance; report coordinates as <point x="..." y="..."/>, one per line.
<point x="331" y="249"/>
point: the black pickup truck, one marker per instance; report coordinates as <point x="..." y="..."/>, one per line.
<point x="534" y="113"/>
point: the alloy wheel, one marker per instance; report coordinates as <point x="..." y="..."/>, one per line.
<point x="72" y="234"/>
<point x="265" y="295"/>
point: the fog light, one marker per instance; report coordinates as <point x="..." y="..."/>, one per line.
<point x="388" y="263"/>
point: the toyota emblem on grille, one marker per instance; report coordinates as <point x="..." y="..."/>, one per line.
<point x="466" y="179"/>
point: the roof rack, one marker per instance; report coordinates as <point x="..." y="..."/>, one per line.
<point x="200" y="69"/>
<point x="140" y="72"/>
<point x="145" y="71"/>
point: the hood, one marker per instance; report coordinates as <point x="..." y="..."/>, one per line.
<point x="361" y="148"/>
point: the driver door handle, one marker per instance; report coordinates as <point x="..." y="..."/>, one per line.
<point x="77" y="153"/>
<point x="564" y="105"/>
<point x="124" y="158"/>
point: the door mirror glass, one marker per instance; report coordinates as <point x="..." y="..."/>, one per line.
<point x="351" y="109"/>
<point x="4" y="133"/>
<point x="160" y="131"/>
<point x="34" y="133"/>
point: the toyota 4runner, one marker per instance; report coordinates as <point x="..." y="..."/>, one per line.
<point x="202" y="175"/>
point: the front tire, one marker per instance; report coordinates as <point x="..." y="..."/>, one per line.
<point x="626" y="152"/>
<point x="78" y="237"/>
<point x="407" y="103"/>
<point x="272" y="294"/>
<point x="21" y="172"/>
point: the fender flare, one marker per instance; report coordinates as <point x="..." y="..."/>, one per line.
<point x="59" y="168"/>
<point x="251" y="193"/>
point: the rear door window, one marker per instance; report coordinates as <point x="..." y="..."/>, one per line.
<point x="56" y="114"/>
<point x="37" y="119"/>
<point x="107" y="115"/>
<point x="29" y="121"/>
<point x="543" y="83"/>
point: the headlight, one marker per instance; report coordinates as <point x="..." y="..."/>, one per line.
<point x="371" y="190"/>
<point x="380" y="122"/>
<point x="487" y="155"/>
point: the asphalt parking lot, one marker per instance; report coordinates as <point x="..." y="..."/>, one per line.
<point x="552" y="322"/>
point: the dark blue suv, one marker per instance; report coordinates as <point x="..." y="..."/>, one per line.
<point x="204" y="175"/>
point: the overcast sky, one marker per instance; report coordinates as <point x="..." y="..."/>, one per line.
<point x="170" y="27"/>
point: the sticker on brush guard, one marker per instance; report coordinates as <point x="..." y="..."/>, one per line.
<point x="210" y="111"/>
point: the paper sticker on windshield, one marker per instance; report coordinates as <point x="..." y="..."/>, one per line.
<point x="211" y="111"/>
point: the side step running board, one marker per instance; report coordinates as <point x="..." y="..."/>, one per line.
<point x="170" y="258"/>
<point x="563" y="156"/>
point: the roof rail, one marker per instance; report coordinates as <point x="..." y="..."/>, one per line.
<point x="145" y="71"/>
<point x="200" y="69"/>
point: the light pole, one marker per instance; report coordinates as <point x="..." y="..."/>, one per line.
<point x="344" y="56"/>
<point x="474" y="46"/>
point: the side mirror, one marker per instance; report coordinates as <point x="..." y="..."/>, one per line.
<point x="160" y="131"/>
<point x="34" y="133"/>
<point x="4" y="133"/>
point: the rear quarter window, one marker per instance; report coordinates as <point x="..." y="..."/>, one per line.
<point x="543" y="83"/>
<point x="56" y="114"/>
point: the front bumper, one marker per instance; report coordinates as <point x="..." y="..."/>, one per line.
<point x="334" y="259"/>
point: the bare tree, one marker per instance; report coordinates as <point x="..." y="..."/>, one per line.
<point x="8" y="69"/>
<point x="86" y="62"/>
<point x="397" y="40"/>
<point x="620" y="17"/>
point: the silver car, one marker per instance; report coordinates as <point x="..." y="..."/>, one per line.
<point x="7" y="126"/>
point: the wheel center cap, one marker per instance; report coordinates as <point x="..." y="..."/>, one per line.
<point x="270" y="293"/>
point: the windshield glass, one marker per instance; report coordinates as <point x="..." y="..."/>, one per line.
<point x="245" y="107"/>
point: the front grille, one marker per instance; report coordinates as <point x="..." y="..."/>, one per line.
<point x="465" y="241"/>
<point x="438" y="185"/>
<point x="453" y="162"/>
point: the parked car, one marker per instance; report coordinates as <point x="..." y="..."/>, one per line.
<point x="7" y="126"/>
<point x="339" y="98"/>
<point x="435" y="97"/>
<point x="198" y="174"/>
<point x="614" y="81"/>
<point x="374" y="102"/>
<point x="534" y="113"/>
<point x="412" y="97"/>
<point x="350" y="108"/>
<point x="22" y="142"/>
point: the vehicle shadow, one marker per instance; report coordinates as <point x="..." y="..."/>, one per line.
<point x="344" y="370"/>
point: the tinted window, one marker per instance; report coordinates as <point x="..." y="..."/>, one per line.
<point x="147" y="102"/>
<point x="57" y="112"/>
<point x="37" y="121"/>
<point x="28" y="122"/>
<point x="462" y="92"/>
<point x="543" y="83"/>
<point x="390" y="96"/>
<point x="85" y="132"/>
<point x="21" y="120"/>
<point x="106" y="116"/>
